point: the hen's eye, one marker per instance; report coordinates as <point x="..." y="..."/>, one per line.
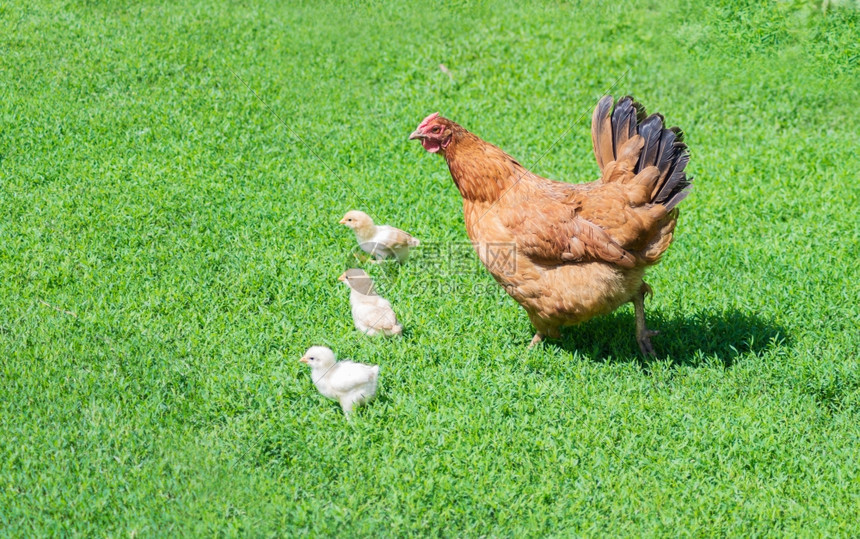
<point x="436" y="129"/>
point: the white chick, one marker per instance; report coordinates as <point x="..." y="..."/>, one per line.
<point x="347" y="382"/>
<point x="371" y="312"/>
<point x="380" y="241"/>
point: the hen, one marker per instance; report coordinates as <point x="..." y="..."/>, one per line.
<point x="569" y="252"/>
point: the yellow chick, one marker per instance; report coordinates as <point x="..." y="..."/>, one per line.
<point x="371" y="313"/>
<point x="347" y="382"/>
<point x="380" y="241"/>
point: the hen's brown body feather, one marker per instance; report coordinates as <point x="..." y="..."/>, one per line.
<point x="581" y="250"/>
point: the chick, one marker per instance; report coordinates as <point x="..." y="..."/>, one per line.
<point x="371" y="313"/>
<point x="347" y="382"/>
<point x="380" y="241"/>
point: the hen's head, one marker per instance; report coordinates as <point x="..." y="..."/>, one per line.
<point x="435" y="133"/>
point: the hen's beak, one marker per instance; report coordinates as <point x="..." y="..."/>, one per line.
<point x="342" y="277"/>
<point x="417" y="134"/>
<point x="304" y="359"/>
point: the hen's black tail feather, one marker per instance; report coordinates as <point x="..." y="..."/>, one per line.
<point x="663" y="147"/>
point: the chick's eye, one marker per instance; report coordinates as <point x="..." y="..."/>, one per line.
<point x="311" y="358"/>
<point x="349" y="219"/>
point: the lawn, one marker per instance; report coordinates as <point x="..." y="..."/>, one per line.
<point x="171" y="180"/>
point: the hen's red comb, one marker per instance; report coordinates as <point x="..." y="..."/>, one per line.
<point x="427" y="120"/>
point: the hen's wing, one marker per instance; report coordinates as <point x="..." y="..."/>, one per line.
<point x="553" y="232"/>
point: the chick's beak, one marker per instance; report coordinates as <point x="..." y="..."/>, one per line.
<point x="417" y="134"/>
<point x="342" y="277"/>
<point x="342" y="221"/>
<point x="304" y="359"/>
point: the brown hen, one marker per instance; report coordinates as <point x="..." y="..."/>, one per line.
<point x="576" y="250"/>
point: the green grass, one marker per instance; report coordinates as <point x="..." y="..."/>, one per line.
<point x="169" y="249"/>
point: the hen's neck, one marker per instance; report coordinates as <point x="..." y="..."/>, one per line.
<point x="481" y="171"/>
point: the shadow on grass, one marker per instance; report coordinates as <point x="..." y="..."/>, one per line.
<point x="686" y="340"/>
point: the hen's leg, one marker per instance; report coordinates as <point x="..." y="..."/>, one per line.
<point x="545" y="333"/>
<point x="643" y="334"/>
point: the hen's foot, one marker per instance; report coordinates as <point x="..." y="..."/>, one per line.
<point x="536" y="339"/>
<point x="644" y="340"/>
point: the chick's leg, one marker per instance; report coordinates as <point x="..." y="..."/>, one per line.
<point x="401" y="254"/>
<point x="643" y="334"/>
<point x="346" y="403"/>
<point x="375" y="255"/>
